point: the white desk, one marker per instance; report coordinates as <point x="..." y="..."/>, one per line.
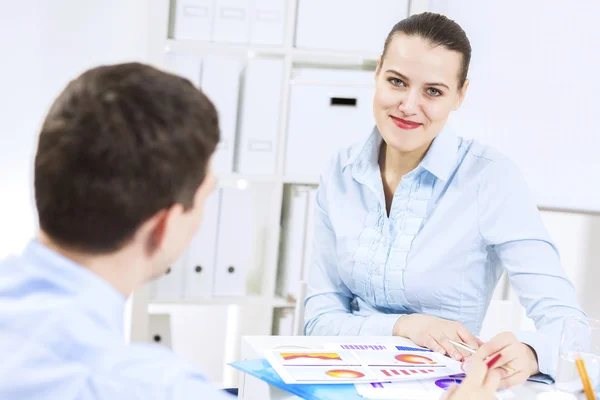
<point x="254" y="346"/>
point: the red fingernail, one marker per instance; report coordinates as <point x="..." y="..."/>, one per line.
<point x="493" y="361"/>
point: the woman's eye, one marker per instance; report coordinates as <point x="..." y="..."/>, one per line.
<point x="434" y="92"/>
<point x="396" y="81"/>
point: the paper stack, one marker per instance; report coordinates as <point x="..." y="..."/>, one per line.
<point x="378" y="371"/>
<point x="342" y="363"/>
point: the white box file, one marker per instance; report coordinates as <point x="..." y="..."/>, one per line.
<point x="329" y="109"/>
<point x="193" y="19"/>
<point x="260" y="22"/>
<point x="235" y="242"/>
<point x="294" y="215"/>
<point x="267" y="24"/>
<point x="309" y="234"/>
<point x="259" y="126"/>
<point x="159" y="326"/>
<point x="199" y="264"/>
<point x="220" y="82"/>
<point x="347" y="25"/>
<point x="170" y="285"/>
<point x="186" y="65"/>
<point x="232" y="21"/>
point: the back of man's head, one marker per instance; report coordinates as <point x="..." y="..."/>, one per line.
<point x="119" y="144"/>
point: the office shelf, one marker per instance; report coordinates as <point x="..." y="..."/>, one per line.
<point x="200" y="47"/>
<point x="297" y="55"/>
<point x="301" y="179"/>
<point x="243" y="180"/>
<point x="334" y="57"/>
<point x="161" y="306"/>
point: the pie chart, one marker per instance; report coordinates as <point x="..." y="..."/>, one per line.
<point x="447" y="382"/>
<point x="344" y="373"/>
<point x="414" y="359"/>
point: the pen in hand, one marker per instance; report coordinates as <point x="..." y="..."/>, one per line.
<point x="470" y="350"/>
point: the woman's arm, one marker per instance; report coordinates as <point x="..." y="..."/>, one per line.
<point x="510" y="224"/>
<point x="327" y="305"/>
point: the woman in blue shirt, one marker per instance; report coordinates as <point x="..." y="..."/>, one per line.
<point x="415" y="225"/>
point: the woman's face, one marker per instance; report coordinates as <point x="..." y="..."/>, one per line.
<point x="416" y="89"/>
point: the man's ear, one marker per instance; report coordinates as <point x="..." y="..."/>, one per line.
<point x="462" y="93"/>
<point x="156" y="228"/>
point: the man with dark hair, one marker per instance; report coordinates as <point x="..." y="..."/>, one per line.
<point x="122" y="170"/>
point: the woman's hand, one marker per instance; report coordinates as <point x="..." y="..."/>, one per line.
<point x="480" y="384"/>
<point x="516" y="355"/>
<point x="435" y="333"/>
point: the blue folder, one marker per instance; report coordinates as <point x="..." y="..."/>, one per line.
<point x="261" y="369"/>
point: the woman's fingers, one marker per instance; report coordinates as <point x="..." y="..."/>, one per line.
<point x="495" y="345"/>
<point x="433" y="345"/>
<point x="509" y="356"/>
<point x="466" y="337"/>
<point x="506" y="351"/>
<point x="448" y="347"/>
<point x="436" y="333"/>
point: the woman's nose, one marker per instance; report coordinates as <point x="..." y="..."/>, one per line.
<point x="409" y="102"/>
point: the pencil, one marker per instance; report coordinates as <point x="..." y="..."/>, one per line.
<point x="465" y="347"/>
<point x="585" y="379"/>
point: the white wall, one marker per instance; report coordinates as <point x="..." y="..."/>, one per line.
<point x="577" y="237"/>
<point x="46" y="43"/>
<point x="20" y="110"/>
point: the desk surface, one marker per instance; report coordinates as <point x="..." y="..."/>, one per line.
<point x="254" y="346"/>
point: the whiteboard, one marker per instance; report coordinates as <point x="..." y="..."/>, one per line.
<point x="535" y="92"/>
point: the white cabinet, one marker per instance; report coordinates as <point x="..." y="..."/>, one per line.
<point x="193" y="19"/>
<point x="221" y="82"/>
<point x="260" y="115"/>
<point x="232" y="21"/>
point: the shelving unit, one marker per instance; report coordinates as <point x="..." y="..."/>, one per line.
<point x="296" y="55"/>
<point x="263" y="299"/>
<point x="203" y="48"/>
<point x="160" y="306"/>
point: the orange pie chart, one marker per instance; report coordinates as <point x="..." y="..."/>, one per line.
<point x="414" y="359"/>
<point x="344" y="373"/>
